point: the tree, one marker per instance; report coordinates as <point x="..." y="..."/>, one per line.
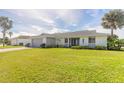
<point x="10" y="34"/>
<point x="112" y="43"/>
<point x="7" y="40"/>
<point x="113" y="20"/>
<point x="122" y="42"/>
<point x="5" y="24"/>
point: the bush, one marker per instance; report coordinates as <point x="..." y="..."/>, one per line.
<point x="47" y="47"/>
<point x="60" y="46"/>
<point x="43" y="45"/>
<point x="57" y="46"/>
<point x="51" y="46"/>
<point x="113" y="43"/>
<point x="27" y="45"/>
<point x="115" y="48"/>
<point x="76" y="47"/>
<point x="80" y="47"/>
<point x="87" y="47"/>
<point x="100" y="47"/>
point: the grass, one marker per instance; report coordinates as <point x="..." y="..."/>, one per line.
<point x="9" y="46"/>
<point x="62" y="65"/>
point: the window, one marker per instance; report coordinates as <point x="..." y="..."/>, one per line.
<point x="82" y="41"/>
<point x="74" y="41"/>
<point x="66" y="40"/>
<point x="91" y="39"/>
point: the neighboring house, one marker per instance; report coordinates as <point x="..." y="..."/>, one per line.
<point x="78" y="38"/>
<point x="21" y="40"/>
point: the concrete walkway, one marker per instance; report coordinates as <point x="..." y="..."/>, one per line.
<point x="13" y="49"/>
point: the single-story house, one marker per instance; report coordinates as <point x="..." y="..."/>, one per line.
<point x="78" y="38"/>
<point x="21" y="40"/>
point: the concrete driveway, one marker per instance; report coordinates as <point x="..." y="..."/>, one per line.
<point x="13" y="49"/>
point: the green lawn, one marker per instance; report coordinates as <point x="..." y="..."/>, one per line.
<point x="1" y="47"/>
<point x="62" y="65"/>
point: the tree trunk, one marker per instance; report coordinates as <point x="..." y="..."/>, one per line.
<point x="112" y="34"/>
<point x="3" y="38"/>
<point x="10" y="40"/>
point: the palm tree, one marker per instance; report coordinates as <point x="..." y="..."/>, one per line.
<point x="113" y="20"/>
<point x="10" y="34"/>
<point x="5" y="24"/>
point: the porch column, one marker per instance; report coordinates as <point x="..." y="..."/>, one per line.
<point x="76" y="41"/>
<point x="68" y="42"/>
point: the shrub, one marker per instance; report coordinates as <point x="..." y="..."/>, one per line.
<point x="113" y="43"/>
<point x="85" y="47"/>
<point x="76" y="47"/>
<point x="115" y="48"/>
<point x="51" y="46"/>
<point x="48" y="46"/>
<point x="61" y="46"/>
<point x="57" y="45"/>
<point x="27" y="45"/>
<point x="80" y="47"/>
<point x="100" y="47"/>
<point x="43" y="45"/>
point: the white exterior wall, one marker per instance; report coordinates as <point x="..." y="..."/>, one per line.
<point x="44" y="40"/>
<point x="24" y="41"/>
<point x="17" y="41"/>
<point x="101" y="41"/>
<point x="62" y="41"/>
<point x="85" y="41"/>
<point x="36" y="42"/>
<point x="58" y="41"/>
<point x="50" y="41"/>
<point x="13" y="42"/>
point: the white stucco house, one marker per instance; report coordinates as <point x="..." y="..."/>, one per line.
<point x="79" y="38"/>
<point x="21" y="40"/>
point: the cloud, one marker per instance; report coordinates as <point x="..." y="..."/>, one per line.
<point x="44" y="30"/>
<point x="58" y="30"/>
<point x="15" y="34"/>
<point x="120" y="33"/>
<point x="96" y="12"/>
<point x="41" y="15"/>
<point x="35" y="22"/>
<point x="48" y="16"/>
<point x="74" y="25"/>
<point x="68" y="16"/>
<point x="92" y="12"/>
<point x="34" y="30"/>
<point x="37" y="28"/>
<point x="45" y="20"/>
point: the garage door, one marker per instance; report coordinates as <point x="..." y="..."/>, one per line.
<point x="36" y="42"/>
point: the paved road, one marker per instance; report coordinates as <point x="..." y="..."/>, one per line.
<point x="13" y="49"/>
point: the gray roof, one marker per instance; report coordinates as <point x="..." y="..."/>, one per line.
<point x="73" y="34"/>
<point x="22" y="37"/>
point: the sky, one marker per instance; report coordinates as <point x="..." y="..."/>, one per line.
<point x="35" y="22"/>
